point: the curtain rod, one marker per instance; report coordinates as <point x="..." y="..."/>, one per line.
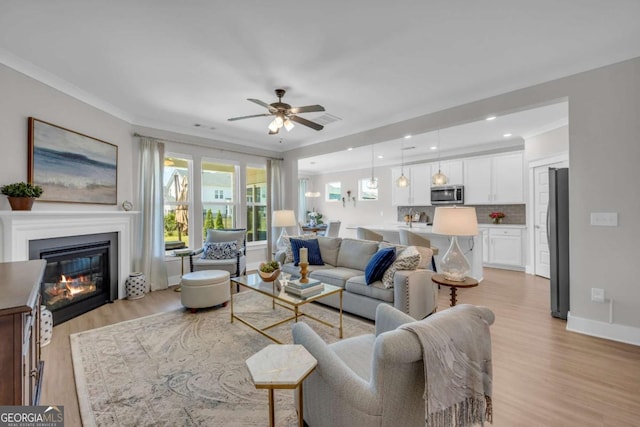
<point x="215" y="148"/>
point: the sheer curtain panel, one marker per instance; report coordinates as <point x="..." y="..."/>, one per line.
<point x="151" y="229"/>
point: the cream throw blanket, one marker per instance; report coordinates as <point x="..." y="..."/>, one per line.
<point x="456" y="347"/>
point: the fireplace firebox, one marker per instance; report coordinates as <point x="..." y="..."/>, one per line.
<point x="81" y="273"/>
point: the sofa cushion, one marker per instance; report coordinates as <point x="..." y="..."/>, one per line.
<point x="220" y="250"/>
<point x="287" y="243"/>
<point x="377" y="290"/>
<point x="313" y="254"/>
<point x="378" y="264"/>
<point x="355" y="254"/>
<point x="335" y="276"/>
<point x="408" y="259"/>
<point x="329" y="249"/>
<point x="357" y="353"/>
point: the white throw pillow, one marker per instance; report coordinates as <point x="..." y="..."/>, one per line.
<point x="407" y="260"/>
<point x="425" y="257"/>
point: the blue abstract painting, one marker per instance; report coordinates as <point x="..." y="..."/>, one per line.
<point x="72" y="167"/>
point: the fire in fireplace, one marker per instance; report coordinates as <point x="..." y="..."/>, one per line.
<point x="81" y="273"/>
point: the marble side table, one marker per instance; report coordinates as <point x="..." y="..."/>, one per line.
<point x="281" y="366"/>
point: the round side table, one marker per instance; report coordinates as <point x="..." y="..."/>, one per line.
<point x="182" y="254"/>
<point x="469" y="282"/>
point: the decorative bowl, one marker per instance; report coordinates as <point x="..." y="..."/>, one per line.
<point x="268" y="277"/>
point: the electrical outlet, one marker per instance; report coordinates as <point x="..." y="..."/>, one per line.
<point x="597" y="295"/>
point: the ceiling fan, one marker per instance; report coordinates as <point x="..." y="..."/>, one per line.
<point x="284" y="114"/>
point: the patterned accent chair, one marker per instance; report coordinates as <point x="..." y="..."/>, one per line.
<point x="236" y="265"/>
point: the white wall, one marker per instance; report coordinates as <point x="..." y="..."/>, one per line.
<point x="547" y="144"/>
<point x="604" y="106"/>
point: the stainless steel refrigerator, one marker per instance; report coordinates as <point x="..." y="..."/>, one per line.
<point x="558" y="237"/>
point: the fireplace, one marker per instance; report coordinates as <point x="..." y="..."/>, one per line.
<point x="81" y="273"/>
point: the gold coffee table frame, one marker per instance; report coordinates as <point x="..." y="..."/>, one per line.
<point x="280" y="297"/>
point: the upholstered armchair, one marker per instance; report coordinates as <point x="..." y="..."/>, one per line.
<point x="223" y="250"/>
<point x="369" y="380"/>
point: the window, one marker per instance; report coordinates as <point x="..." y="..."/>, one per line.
<point x="256" y="204"/>
<point x="218" y="195"/>
<point x="333" y="191"/>
<point x="366" y="193"/>
<point x="177" y="200"/>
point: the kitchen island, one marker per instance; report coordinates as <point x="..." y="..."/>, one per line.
<point x="471" y="246"/>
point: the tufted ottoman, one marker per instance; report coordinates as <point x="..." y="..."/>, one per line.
<point x="205" y="288"/>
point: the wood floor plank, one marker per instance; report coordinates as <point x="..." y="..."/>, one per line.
<point x="543" y="374"/>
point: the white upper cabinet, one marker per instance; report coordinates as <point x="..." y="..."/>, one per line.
<point x="494" y="179"/>
<point x="418" y="193"/>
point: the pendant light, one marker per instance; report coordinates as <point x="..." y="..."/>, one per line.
<point x="402" y="181"/>
<point x="373" y="182"/>
<point x="439" y="178"/>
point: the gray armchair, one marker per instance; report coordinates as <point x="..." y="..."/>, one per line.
<point x="236" y="266"/>
<point x="369" y="380"/>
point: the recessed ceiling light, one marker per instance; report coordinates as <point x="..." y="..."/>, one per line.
<point x="490" y="118"/>
<point x="197" y="125"/>
<point x="407" y="136"/>
<point x="313" y="163"/>
<point x="350" y="149"/>
<point x="433" y="148"/>
<point x="381" y="156"/>
<point x="507" y="135"/>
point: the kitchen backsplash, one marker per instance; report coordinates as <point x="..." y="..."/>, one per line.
<point x="514" y="214"/>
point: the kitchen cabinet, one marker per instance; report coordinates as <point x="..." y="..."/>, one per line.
<point x="453" y="170"/>
<point x="484" y="235"/>
<point x="495" y="179"/>
<point x="504" y="247"/>
<point x="418" y="193"/>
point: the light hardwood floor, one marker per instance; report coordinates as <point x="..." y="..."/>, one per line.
<point x="542" y="374"/>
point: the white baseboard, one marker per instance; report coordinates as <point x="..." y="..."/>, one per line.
<point x="610" y="331"/>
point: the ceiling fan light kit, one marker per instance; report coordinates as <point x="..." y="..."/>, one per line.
<point x="284" y="114"/>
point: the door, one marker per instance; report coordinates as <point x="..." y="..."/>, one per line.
<point x="540" y="206"/>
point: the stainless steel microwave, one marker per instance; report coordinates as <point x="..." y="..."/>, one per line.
<point x="447" y="195"/>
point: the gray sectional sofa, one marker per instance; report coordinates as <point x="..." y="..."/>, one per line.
<point x="345" y="261"/>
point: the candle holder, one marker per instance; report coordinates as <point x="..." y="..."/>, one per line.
<point x="303" y="272"/>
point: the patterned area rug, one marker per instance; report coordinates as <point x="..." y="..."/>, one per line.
<point x="184" y="369"/>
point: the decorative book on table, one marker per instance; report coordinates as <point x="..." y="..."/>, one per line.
<point x="306" y="292"/>
<point x="297" y="285"/>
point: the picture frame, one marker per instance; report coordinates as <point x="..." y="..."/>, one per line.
<point x="71" y="167"/>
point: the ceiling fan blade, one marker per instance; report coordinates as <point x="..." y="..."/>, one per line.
<point x="272" y="132"/>
<point x="263" y="104"/>
<point x="306" y="122"/>
<point x="306" y="109"/>
<point x="249" y="117"/>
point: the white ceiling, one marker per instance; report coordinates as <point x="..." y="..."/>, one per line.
<point x="169" y="64"/>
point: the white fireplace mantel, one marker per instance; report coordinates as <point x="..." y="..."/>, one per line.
<point x="20" y="227"/>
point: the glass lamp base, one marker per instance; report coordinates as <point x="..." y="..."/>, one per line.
<point x="454" y="264"/>
<point x="280" y="242"/>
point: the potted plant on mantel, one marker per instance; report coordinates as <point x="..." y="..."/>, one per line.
<point x="21" y="195"/>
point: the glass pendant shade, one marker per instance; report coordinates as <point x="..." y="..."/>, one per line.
<point x="273" y="126"/>
<point x="279" y="121"/>
<point x="439" y="178"/>
<point x="402" y="181"/>
<point x="288" y="125"/>
<point x="372" y="184"/>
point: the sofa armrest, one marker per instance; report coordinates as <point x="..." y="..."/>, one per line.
<point x="414" y="293"/>
<point x="345" y="384"/>
<point x="389" y="318"/>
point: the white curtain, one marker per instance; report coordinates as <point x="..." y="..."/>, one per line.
<point x="275" y="202"/>
<point x="151" y="226"/>
<point x="302" y="200"/>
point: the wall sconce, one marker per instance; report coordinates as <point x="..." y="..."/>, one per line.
<point x="348" y="199"/>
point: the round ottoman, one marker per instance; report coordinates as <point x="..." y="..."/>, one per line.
<point x="205" y="288"/>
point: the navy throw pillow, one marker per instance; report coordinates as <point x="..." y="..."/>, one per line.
<point x="313" y="251"/>
<point x="378" y="264"/>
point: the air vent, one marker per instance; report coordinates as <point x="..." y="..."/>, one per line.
<point x="326" y="118"/>
<point x="409" y="148"/>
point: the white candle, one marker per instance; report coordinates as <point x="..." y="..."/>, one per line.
<point x="304" y="255"/>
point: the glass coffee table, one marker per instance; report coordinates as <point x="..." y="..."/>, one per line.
<point x="279" y="297"/>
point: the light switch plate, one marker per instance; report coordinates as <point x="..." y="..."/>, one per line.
<point x="604" y="219"/>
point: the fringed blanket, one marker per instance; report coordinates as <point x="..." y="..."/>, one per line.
<point x="456" y="347"/>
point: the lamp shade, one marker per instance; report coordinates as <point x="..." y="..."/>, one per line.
<point x="284" y="219"/>
<point x="455" y="221"/>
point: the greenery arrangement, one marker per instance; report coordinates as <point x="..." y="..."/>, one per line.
<point x="219" y="222"/>
<point x="269" y="267"/>
<point x="21" y="189"/>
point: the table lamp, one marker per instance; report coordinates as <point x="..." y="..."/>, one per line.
<point x="283" y="219"/>
<point x="454" y="222"/>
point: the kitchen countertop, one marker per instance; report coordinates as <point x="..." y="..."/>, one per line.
<point x="421" y="227"/>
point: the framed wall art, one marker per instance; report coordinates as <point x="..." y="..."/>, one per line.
<point x="72" y="167"/>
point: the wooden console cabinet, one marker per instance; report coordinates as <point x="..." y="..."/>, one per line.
<point x="20" y="364"/>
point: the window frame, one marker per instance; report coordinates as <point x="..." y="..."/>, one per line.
<point x="253" y="204"/>
<point x="190" y="200"/>
<point x="328" y="193"/>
